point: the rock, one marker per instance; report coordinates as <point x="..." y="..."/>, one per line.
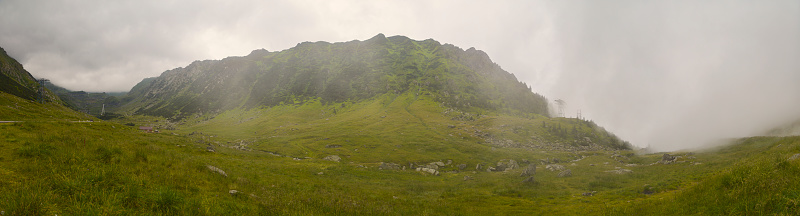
<point x="620" y="171"/>
<point x="334" y="158"/>
<point x="530" y="179"/>
<point x="428" y="170"/>
<point x="529" y="170"/>
<point x="449" y="162"/>
<point x="462" y="166"/>
<point x="565" y="173"/>
<point x="438" y="163"/>
<point x="451" y="126"/>
<point x="389" y="166"/>
<point x="210" y="148"/>
<point x="794" y="157"/>
<point x="648" y="189"/>
<point x="555" y="167"/>
<point x="589" y="193"/>
<point x="233" y="192"/>
<point x="479" y="167"/>
<point x="218" y="170"/>
<point x="591" y="164"/>
<point x="500" y="168"/>
<point x="320" y="173"/>
<point x="490" y="169"/>
<point x="467" y="178"/>
<point x="333" y="146"/>
<point x="667" y="159"/>
<point x="507" y="164"/>
<point x="631" y="165"/>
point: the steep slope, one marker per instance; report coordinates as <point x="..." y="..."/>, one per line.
<point x="15" y="80"/>
<point x="337" y="72"/>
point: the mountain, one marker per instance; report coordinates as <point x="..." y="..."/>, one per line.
<point x="15" y="80"/>
<point x="334" y="73"/>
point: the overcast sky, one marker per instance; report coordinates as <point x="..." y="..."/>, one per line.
<point x="670" y="74"/>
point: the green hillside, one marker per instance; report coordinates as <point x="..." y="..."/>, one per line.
<point x="15" y="80"/>
<point x="334" y="73"/>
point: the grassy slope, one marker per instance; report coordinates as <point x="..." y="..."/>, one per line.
<point x="59" y="167"/>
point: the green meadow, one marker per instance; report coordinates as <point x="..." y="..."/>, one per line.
<point x="270" y="161"/>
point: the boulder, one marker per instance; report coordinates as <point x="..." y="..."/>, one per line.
<point x="667" y="159"/>
<point x="428" y="170"/>
<point x="565" y="173"/>
<point x="218" y="170"/>
<point x="389" y="166"/>
<point x="462" y="166"/>
<point x="467" y="178"/>
<point x="490" y="169"/>
<point x="438" y="163"/>
<point x="794" y="157"/>
<point x="233" y="192"/>
<point x="529" y="170"/>
<point x="334" y="158"/>
<point x="620" y="171"/>
<point x="589" y="193"/>
<point x="479" y="167"/>
<point x="555" y="167"/>
<point x="507" y="164"/>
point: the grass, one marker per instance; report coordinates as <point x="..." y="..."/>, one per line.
<point x="106" y="168"/>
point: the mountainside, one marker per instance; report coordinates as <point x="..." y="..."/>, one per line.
<point x="15" y="80"/>
<point x="337" y="72"/>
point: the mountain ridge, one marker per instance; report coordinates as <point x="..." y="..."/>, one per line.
<point x="334" y="73"/>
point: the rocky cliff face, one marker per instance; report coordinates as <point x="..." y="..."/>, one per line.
<point x="336" y="72"/>
<point x="15" y="80"/>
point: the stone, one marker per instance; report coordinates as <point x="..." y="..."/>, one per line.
<point x="555" y="167"/>
<point x="490" y="169"/>
<point x="589" y="193"/>
<point x="389" y="166"/>
<point x="620" y="171"/>
<point x="467" y="178"/>
<point x="462" y="166"/>
<point x="449" y="162"/>
<point x="438" y="163"/>
<point x="794" y="157"/>
<point x="667" y="159"/>
<point x="233" y="192"/>
<point x="565" y="173"/>
<point x="529" y="170"/>
<point x="320" y="173"/>
<point x="334" y="158"/>
<point x="428" y="170"/>
<point x="218" y="170"/>
<point x="479" y="167"/>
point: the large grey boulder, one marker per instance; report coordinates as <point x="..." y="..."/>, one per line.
<point x="555" y="167"/>
<point x="667" y="159"/>
<point x="529" y="170"/>
<point x="334" y="158"/>
<point x="565" y="173"/>
<point x="389" y="166"/>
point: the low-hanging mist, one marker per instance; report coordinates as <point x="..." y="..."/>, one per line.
<point x="679" y="75"/>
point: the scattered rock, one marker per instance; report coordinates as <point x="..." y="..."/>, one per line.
<point x="620" y="171"/>
<point x="451" y="126"/>
<point x="507" y="164"/>
<point x="428" y="170"/>
<point x="389" y="166"/>
<point x="565" y="173"/>
<point x="320" y="173"/>
<point x="589" y="193"/>
<point x="555" y="167"/>
<point x="233" y="192"/>
<point x="462" y="166"/>
<point x="218" y="170"/>
<point x="479" y="167"/>
<point x="333" y="146"/>
<point x="529" y="170"/>
<point x="438" y="163"/>
<point x="449" y="162"/>
<point x="491" y="169"/>
<point x="631" y="165"/>
<point x="794" y="157"/>
<point x="667" y="159"/>
<point x="467" y="178"/>
<point x="334" y="158"/>
<point x="210" y="148"/>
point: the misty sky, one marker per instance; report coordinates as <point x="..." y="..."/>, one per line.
<point x="670" y="74"/>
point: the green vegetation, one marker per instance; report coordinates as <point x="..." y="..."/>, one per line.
<point x="64" y="167"/>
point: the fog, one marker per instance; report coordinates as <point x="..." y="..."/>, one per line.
<point x="665" y="74"/>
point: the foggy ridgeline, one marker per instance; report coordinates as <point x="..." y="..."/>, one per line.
<point x="337" y="72"/>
